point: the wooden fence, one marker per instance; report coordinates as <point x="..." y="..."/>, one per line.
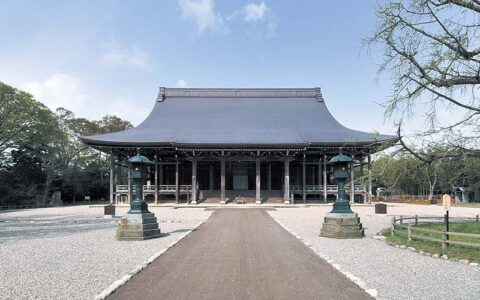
<point x="409" y="223"/>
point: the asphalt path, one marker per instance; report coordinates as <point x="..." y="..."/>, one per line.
<point x="239" y="254"/>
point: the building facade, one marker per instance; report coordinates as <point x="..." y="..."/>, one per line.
<point x="240" y="145"/>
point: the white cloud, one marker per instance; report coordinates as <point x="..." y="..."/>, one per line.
<point x="67" y="91"/>
<point x="58" y="90"/>
<point x="124" y="56"/>
<point x="255" y="12"/>
<point x="203" y="13"/>
<point x="259" y="16"/>
<point x="182" y="83"/>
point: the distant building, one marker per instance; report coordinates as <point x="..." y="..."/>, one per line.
<point x="221" y="145"/>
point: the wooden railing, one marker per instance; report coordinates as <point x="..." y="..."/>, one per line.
<point x="358" y="188"/>
<point x="409" y="224"/>
<point x="123" y="188"/>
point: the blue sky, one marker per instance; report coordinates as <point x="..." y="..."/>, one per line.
<point x="110" y="57"/>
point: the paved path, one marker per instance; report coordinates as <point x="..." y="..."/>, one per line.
<point x="239" y="254"/>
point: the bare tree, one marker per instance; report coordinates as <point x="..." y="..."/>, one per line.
<point x="432" y="54"/>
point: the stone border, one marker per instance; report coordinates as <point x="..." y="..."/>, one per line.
<point x="432" y="255"/>
<point x="117" y="284"/>
<point x="359" y="282"/>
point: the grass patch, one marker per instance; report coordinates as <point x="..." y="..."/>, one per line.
<point x="454" y="251"/>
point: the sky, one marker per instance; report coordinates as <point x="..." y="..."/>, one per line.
<point x="110" y="57"/>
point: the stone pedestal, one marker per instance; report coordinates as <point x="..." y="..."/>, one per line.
<point x="137" y="227"/>
<point x="342" y="226"/>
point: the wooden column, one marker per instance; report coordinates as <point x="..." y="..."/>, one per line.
<point x="304" y="180"/>
<point x="319" y="175"/>
<point x="313" y="174"/>
<point x="269" y="176"/>
<point x="211" y="176"/>
<point x="194" y="181"/>
<point x="177" y="195"/>
<point x="286" y="184"/>
<point x="258" y="200"/>
<point x="369" y="170"/>
<point x="160" y="178"/>
<point x="156" y="180"/>
<point x="112" y="179"/>
<point x="222" y="180"/>
<point x="130" y="192"/>
<point x="352" y="182"/>
<point x="324" y="177"/>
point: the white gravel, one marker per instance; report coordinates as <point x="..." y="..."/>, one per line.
<point x="392" y="272"/>
<point x="72" y="253"/>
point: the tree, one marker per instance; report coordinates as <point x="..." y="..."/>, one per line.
<point x="23" y="121"/>
<point x="432" y="54"/>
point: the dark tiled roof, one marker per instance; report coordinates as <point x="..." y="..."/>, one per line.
<point x="234" y="117"/>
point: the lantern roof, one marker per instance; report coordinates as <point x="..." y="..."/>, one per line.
<point x="340" y="158"/>
<point x="140" y="159"/>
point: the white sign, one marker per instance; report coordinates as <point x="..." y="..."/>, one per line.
<point x="447" y="201"/>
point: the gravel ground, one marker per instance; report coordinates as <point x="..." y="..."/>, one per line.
<point x="395" y="273"/>
<point x="72" y="253"/>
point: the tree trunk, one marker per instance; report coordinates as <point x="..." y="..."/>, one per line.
<point x="431" y="185"/>
<point x="48" y="183"/>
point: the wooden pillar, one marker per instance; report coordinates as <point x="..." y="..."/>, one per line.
<point x="194" y="181"/>
<point x="313" y="174"/>
<point x="211" y="176"/>
<point x="304" y="180"/>
<point x="156" y="180"/>
<point x="286" y="184"/>
<point x="369" y="170"/>
<point x="352" y="182"/>
<point x="130" y="192"/>
<point x="222" y="180"/>
<point x="269" y="175"/>
<point x="112" y="179"/>
<point x="258" y="200"/>
<point x="160" y="178"/>
<point x="319" y="175"/>
<point x="177" y="195"/>
<point x="324" y="177"/>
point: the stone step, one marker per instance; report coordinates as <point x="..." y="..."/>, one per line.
<point x="138" y="220"/>
<point x="343" y="234"/>
<point x="136" y="233"/>
<point x="142" y="238"/>
<point x="138" y="226"/>
<point x="353" y="227"/>
<point x="342" y="221"/>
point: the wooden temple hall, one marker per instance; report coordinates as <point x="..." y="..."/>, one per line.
<point x="240" y="146"/>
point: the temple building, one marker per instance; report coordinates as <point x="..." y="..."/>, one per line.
<point x="240" y="145"/>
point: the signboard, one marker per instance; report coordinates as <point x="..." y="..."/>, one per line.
<point x="447" y="201"/>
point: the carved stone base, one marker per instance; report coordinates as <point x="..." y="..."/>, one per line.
<point x="342" y="226"/>
<point x="137" y="227"/>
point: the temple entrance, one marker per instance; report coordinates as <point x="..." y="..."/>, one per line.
<point x="240" y="175"/>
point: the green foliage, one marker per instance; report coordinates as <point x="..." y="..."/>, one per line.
<point x="41" y="150"/>
<point x="404" y="174"/>
<point x="23" y="121"/>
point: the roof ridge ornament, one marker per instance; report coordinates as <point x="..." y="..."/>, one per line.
<point x="318" y="94"/>
<point x="240" y="93"/>
<point x="161" y="94"/>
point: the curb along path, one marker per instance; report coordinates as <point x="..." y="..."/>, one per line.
<point x="239" y="254"/>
